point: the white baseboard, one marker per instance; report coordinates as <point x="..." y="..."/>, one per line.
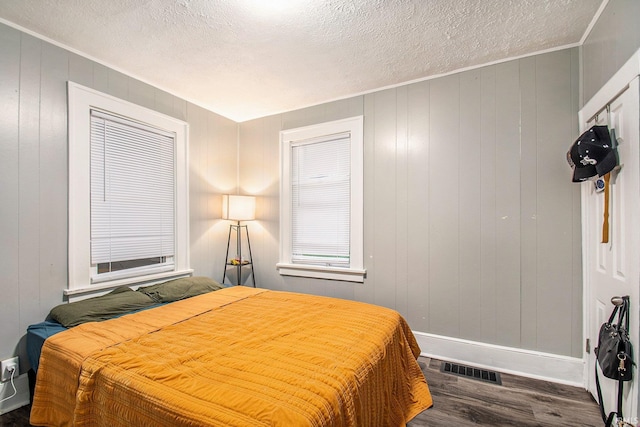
<point x="21" y="399"/>
<point x="526" y="363"/>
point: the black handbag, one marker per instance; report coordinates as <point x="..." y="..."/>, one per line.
<point x="615" y="355"/>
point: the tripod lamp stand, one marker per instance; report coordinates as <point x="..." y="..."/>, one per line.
<point x="238" y="208"/>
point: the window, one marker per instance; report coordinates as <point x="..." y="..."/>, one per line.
<point x="321" y="224"/>
<point x="128" y="192"/>
<point x="132" y="198"/>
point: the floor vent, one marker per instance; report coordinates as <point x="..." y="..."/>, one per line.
<point x="471" y="372"/>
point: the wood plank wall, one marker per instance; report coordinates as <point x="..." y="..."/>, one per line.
<point x="611" y="42"/>
<point x="472" y="226"/>
<point x="33" y="174"/>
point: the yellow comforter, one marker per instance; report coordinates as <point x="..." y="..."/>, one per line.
<point x="235" y="357"/>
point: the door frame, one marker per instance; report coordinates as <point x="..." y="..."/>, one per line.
<point x="620" y="82"/>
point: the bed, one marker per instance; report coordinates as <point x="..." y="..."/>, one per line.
<point x="234" y="357"/>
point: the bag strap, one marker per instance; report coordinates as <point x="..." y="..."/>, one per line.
<point x="624" y="314"/>
<point x="620" y="384"/>
<point x="608" y="420"/>
<point x="600" y="402"/>
<point x="613" y="314"/>
<point x="622" y="311"/>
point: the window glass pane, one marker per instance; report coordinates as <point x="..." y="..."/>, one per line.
<point x="124" y="265"/>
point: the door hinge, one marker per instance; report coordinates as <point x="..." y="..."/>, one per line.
<point x="588" y="346"/>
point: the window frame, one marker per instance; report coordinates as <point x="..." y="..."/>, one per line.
<point x="356" y="271"/>
<point x="81" y="100"/>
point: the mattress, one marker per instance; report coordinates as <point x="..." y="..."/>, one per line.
<point x="235" y="357"/>
<point x="36" y="336"/>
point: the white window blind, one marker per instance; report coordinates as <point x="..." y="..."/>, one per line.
<point x="321" y="197"/>
<point x="132" y="192"/>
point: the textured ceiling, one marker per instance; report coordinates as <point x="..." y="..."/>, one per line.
<point x="251" y="58"/>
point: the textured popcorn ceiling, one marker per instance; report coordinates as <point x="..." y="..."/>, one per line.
<point x="250" y="58"/>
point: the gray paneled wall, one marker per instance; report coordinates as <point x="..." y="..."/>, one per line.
<point x="33" y="174"/>
<point x="472" y="226"/>
<point x="611" y="42"/>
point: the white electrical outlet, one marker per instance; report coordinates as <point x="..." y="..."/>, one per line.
<point x="6" y="368"/>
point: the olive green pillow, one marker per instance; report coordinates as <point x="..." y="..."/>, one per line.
<point x="182" y="288"/>
<point x="120" y="301"/>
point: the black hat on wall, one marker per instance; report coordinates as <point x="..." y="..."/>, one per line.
<point x="592" y="154"/>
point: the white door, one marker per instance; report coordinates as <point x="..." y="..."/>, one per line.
<point x="611" y="269"/>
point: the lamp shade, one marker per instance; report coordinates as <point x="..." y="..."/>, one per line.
<point x="238" y="208"/>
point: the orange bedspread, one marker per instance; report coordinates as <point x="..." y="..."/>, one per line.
<point x="235" y="357"/>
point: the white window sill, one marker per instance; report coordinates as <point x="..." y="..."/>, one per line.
<point x="93" y="290"/>
<point x="320" y="272"/>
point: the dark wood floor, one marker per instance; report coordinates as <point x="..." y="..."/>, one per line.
<point x="518" y="401"/>
<point x="464" y="402"/>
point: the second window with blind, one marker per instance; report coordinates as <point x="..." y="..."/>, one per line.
<point x="321" y="224"/>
